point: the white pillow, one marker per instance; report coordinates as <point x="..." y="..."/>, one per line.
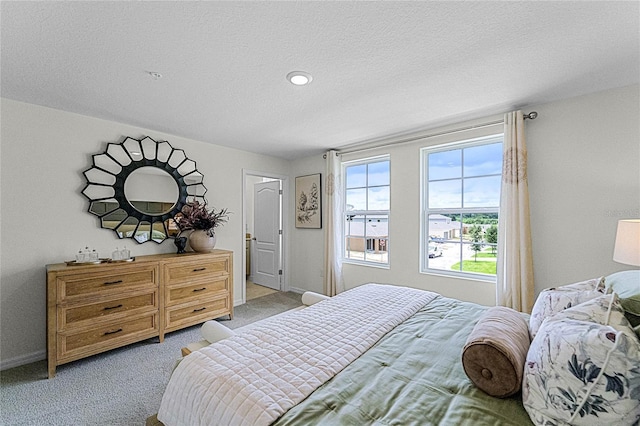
<point x="582" y="372"/>
<point x="212" y="331"/>
<point x="310" y="298"/>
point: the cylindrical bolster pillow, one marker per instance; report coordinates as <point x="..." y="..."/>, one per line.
<point x="495" y="352"/>
<point x="309" y="298"/>
<point x="212" y="331"/>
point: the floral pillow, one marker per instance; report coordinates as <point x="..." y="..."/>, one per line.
<point x="554" y="300"/>
<point x="594" y="284"/>
<point x="604" y="310"/>
<point x="583" y="373"/>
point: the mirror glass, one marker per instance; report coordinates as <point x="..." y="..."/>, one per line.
<point x="151" y="190"/>
<point x="137" y="187"/>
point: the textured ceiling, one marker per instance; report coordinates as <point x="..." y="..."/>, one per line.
<point x="379" y="68"/>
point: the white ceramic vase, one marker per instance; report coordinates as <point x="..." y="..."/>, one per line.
<point x="201" y="242"/>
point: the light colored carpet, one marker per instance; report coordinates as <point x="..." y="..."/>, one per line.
<point x="120" y="387"/>
<point x="255" y="290"/>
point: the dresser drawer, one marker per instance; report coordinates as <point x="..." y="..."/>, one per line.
<point x="198" y="291"/>
<point x="197" y="270"/>
<point x="77" y="315"/>
<point x="106" y="336"/>
<point x="81" y="285"/>
<point x="99" y="307"/>
<point x="195" y="313"/>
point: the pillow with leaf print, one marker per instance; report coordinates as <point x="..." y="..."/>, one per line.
<point x="556" y="299"/>
<point x="583" y="373"/>
<point x="593" y="284"/>
<point x="605" y="310"/>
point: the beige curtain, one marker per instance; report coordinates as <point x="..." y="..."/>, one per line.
<point x="333" y="282"/>
<point x="514" y="286"/>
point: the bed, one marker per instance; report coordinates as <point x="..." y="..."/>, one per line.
<point x="374" y="355"/>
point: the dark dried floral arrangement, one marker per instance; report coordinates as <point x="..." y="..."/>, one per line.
<point x="195" y="215"/>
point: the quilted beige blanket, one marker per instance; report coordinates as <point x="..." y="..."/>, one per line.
<point x="254" y="377"/>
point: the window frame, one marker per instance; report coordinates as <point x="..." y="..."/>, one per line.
<point x="425" y="211"/>
<point x="364" y="262"/>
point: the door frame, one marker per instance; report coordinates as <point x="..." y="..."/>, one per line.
<point x="285" y="226"/>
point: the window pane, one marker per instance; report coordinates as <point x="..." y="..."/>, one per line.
<point x="483" y="160"/>
<point x="445" y="194"/>
<point x="377" y="233"/>
<point x="378" y="173"/>
<point x="378" y="198"/>
<point x="443" y="256"/>
<point x="356" y="176"/>
<point x="356" y="199"/>
<point x="354" y="225"/>
<point x="480" y="237"/>
<point x="445" y="165"/>
<point x="367" y="190"/>
<point x="355" y="243"/>
<point x="482" y="192"/>
<point x="377" y="226"/>
<point x="354" y="237"/>
<point x="443" y="228"/>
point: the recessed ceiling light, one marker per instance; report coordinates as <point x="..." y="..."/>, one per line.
<point x="299" y="78"/>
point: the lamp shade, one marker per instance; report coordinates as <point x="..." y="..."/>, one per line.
<point x="627" y="248"/>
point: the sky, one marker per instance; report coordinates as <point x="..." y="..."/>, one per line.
<point x="465" y="177"/>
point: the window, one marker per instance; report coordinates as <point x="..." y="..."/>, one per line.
<point x="366" y="222"/>
<point x="461" y="202"/>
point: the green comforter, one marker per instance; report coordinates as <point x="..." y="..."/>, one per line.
<point x="412" y="376"/>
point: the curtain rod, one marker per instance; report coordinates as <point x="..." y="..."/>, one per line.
<point x="531" y="116"/>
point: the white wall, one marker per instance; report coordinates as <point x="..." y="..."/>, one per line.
<point x="44" y="215"/>
<point x="584" y="175"/>
<point x="307" y="245"/>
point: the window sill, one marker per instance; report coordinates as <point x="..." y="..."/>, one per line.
<point x="459" y="275"/>
<point x="362" y="263"/>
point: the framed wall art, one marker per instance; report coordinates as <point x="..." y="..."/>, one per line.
<point x="309" y="201"/>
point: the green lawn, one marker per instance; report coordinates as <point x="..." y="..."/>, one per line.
<point x="486" y="254"/>
<point x="480" y="267"/>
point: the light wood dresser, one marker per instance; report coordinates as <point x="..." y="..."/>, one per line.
<point x="95" y="308"/>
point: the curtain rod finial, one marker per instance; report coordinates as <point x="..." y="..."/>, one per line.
<point x="532" y="115"/>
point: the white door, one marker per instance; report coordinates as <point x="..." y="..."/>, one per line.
<point x="266" y="229"/>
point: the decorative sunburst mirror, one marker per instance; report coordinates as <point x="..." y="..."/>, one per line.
<point x="137" y="188"/>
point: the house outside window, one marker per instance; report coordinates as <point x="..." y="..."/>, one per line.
<point x="367" y="206"/>
<point x="461" y="201"/>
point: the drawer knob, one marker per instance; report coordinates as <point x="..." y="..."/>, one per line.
<point x="113" y="282"/>
<point x="199" y="289"/>
<point x="112" y="332"/>
<point x="199" y="269"/>
<point x="199" y="310"/>
<point x="112" y="307"/>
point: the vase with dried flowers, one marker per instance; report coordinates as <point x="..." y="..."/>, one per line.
<point x="202" y="223"/>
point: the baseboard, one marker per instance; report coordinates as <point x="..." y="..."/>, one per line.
<point x="22" y="360"/>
